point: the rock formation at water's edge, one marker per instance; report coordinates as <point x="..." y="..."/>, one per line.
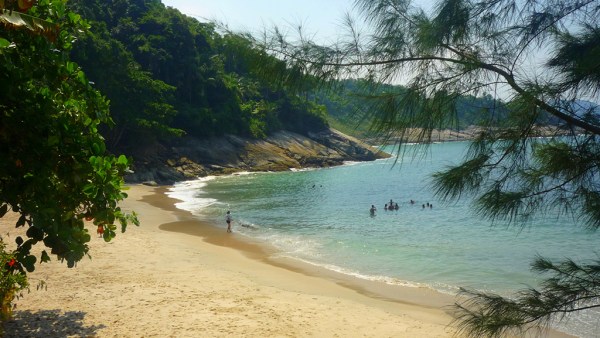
<point x="190" y="158"/>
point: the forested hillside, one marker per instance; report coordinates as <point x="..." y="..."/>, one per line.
<point x="350" y="108"/>
<point x="166" y="75"/>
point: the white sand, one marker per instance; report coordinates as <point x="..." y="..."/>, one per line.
<point x="153" y="283"/>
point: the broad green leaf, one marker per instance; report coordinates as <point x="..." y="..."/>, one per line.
<point x="106" y="235"/>
<point x="45" y="257"/>
<point x="29" y="263"/>
<point x="101" y="216"/>
<point x="60" y="8"/>
<point x="96" y="149"/>
<point x="33" y="23"/>
<point x="67" y="216"/>
<point x="52" y="140"/>
<point x="35" y="234"/>
<point x="4" y="43"/>
<point x="89" y="189"/>
<point x="3" y="210"/>
<point x="81" y="77"/>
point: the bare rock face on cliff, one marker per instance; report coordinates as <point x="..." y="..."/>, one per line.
<point x="191" y="158"/>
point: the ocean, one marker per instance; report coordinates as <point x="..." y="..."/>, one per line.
<point x="322" y="217"/>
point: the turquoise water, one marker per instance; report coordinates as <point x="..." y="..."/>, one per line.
<point x="443" y="247"/>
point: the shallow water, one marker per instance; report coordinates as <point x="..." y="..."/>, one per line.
<point x="443" y="247"/>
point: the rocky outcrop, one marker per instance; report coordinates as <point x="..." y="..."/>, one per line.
<point x="190" y="158"/>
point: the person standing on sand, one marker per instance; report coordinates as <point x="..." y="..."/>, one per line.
<point x="228" y="220"/>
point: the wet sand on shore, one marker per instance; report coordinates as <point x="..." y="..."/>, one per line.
<point x="177" y="276"/>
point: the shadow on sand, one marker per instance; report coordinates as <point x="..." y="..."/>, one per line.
<point x="49" y="324"/>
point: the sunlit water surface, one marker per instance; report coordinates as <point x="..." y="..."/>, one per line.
<point x="443" y="247"/>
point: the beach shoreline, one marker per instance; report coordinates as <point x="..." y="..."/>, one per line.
<point x="417" y="297"/>
<point x="176" y="276"/>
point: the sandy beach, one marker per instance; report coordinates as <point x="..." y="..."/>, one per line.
<point x="175" y="276"/>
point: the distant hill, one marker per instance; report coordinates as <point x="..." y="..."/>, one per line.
<point x="348" y="112"/>
<point x="348" y="109"/>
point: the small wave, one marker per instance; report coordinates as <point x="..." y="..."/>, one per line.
<point x="353" y="273"/>
<point x="189" y="192"/>
<point x="303" y="169"/>
<point x="243" y="173"/>
<point x="248" y="225"/>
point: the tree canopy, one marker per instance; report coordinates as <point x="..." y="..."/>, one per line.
<point x="53" y="167"/>
<point x="537" y="61"/>
<point x="167" y="75"/>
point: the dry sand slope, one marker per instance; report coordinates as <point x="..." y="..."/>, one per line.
<point x="153" y="283"/>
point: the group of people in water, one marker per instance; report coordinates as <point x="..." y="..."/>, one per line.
<point x="394" y="206"/>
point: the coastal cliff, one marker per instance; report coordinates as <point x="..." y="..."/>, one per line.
<point x="190" y="158"/>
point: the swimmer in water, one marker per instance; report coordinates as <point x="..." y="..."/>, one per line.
<point x="373" y="209"/>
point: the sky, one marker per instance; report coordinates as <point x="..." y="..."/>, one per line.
<point x="321" y="17"/>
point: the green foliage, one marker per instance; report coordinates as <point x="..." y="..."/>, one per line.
<point x="12" y="282"/>
<point x="138" y="103"/>
<point x="301" y="115"/>
<point x="263" y="118"/>
<point x="166" y="74"/>
<point x="571" y="287"/>
<point x="53" y="166"/>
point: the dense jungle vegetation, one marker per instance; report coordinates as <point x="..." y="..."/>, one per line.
<point x="166" y="74"/>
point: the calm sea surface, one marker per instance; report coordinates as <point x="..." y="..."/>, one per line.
<point x="443" y="247"/>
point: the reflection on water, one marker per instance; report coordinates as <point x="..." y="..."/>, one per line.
<point x="322" y="216"/>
